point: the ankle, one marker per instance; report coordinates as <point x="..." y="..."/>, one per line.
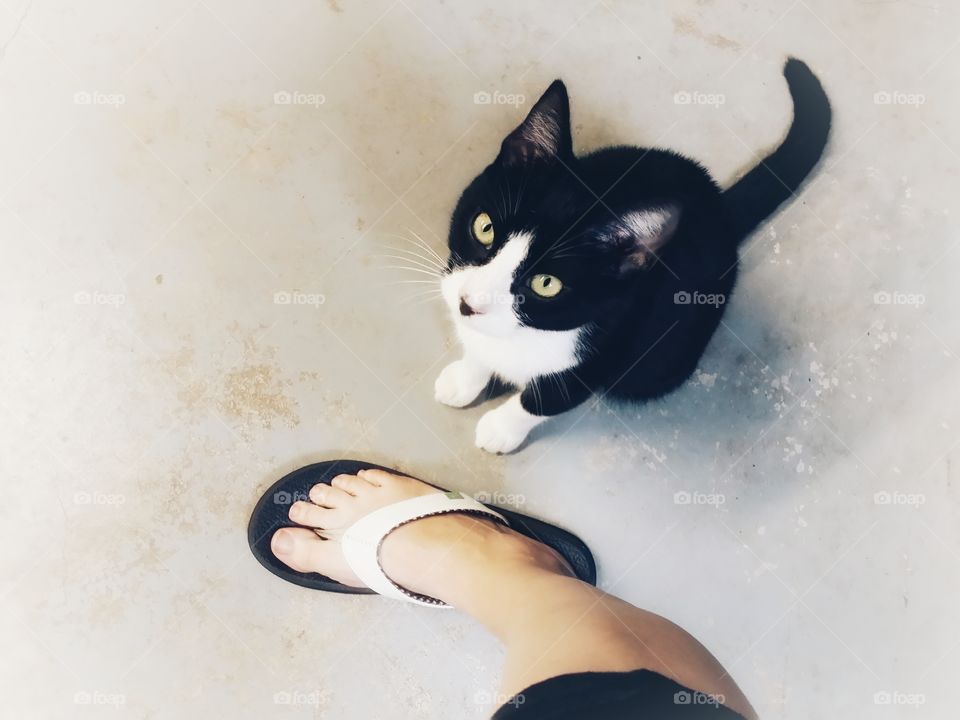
<point x="460" y="558"/>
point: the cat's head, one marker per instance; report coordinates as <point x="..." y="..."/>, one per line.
<point x="532" y="246"/>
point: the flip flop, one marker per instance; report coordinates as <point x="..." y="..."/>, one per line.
<point x="361" y="541"/>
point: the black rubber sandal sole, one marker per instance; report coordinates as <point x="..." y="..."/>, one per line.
<point x="270" y="514"/>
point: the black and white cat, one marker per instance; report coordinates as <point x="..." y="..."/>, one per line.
<point x="604" y="273"/>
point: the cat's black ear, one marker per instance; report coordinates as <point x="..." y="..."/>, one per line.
<point x="640" y="235"/>
<point x="545" y="134"/>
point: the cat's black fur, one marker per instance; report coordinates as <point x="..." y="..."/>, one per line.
<point x="623" y="286"/>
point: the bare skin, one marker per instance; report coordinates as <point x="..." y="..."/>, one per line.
<point x="550" y="622"/>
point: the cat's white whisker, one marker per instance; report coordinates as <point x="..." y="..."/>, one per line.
<point x="418" y="245"/>
<point x="435" y="292"/>
<point x="418" y="303"/>
<point x="523" y="186"/>
<point x="414" y="263"/>
<point x="426" y="291"/>
<point x="503" y="212"/>
<point x="570" y="241"/>
<point x="424" y="258"/>
<point x="409" y="269"/>
<point x="423" y="243"/>
<point x="422" y="296"/>
<point x="413" y="282"/>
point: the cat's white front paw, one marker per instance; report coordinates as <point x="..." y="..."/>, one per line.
<point x="460" y="383"/>
<point x="503" y="430"/>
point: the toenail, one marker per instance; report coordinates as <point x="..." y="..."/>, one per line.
<point x="282" y="543"/>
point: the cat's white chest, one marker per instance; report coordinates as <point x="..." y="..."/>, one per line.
<point x="524" y="354"/>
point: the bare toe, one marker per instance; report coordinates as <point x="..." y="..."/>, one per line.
<point x="304" y="513"/>
<point x="327" y="496"/>
<point x="352" y="484"/>
<point x="380" y="478"/>
<point x="304" y="551"/>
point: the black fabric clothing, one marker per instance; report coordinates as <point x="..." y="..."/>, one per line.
<point x="634" y="695"/>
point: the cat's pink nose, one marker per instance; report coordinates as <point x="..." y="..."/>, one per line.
<point x="465" y="308"/>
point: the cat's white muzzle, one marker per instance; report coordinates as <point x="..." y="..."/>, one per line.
<point x="479" y="295"/>
<point x="479" y="304"/>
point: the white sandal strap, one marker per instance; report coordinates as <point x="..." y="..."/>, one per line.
<point x="361" y="541"/>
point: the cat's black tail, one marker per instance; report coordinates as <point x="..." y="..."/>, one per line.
<point x="755" y="196"/>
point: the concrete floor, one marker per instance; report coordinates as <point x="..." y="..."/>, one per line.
<point x="157" y="193"/>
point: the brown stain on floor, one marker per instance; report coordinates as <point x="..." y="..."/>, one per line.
<point x="253" y="393"/>
<point x="686" y="26"/>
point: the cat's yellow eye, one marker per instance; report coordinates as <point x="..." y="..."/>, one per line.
<point x="547" y="286"/>
<point x="483" y="229"/>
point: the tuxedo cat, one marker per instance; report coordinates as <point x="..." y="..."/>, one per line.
<point x="604" y="273"/>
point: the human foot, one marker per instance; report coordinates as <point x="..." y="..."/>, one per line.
<point x="445" y="556"/>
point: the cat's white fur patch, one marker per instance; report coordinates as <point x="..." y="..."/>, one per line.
<point x="524" y="355"/>
<point x="495" y="339"/>
<point x="503" y="429"/>
<point x="460" y="383"/>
